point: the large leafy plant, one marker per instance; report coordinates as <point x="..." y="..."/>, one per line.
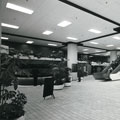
<point x="11" y="101"/>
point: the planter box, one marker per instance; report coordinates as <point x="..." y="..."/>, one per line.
<point x="21" y="118"/>
<point x="58" y="87"/>
<point x="67" y="84"/>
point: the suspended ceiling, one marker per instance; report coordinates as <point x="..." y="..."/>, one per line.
<point x="102" y="15"/>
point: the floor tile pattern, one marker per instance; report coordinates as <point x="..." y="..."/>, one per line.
<point x="86" y="100"/>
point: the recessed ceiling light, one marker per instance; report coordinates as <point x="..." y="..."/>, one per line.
<point x="116" y="37"/>
<point x="98" y="51"/>
<point x="64" y="23"/>
<point x="97" y="54"/>
<point x="109" y="45"/>
<point x="29" y="42"/>
<point x="107" y="53"/>
<point x="72" y="38"/>
<point x="94" y="31"/>
<point x="94" y="43"/>
<point x="52" y="44"/>
<point x="19" y="8"/>
<point x="9" y="25"/>
<point x="4" y="38"/>
<point x="85" y="49"/>
<point x="118" y="47"/>
<point x="47" y="32"/>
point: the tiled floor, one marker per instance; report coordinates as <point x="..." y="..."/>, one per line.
<point x="86" y="100"/>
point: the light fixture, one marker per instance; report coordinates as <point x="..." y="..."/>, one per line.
<point x="29" y="42"/>
<point x="116" y="37"/>
<point x="9" y="25"/>
<point x="94" y="43"/>
<point x="94" y="31"/>
<point x="19" y="8"/>
<point x="4" y="38"/>
<point x="50" y="44"/>
<point x="97" y="54"/>
<point x="64" y="23"/>
<point x="47" y="32"/>
<point x="90" y="56"/>
<point x="72" y="38"/>
<point x="118" y="48"/>
<point x="107" y="53"/>
<point x="97" y="51"/>
<point x="85" y="49"/>
<point x="109" y="45"/>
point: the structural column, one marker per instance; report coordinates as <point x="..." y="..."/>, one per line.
<point x="113" y="56"/>
<point x="72" y="56"/>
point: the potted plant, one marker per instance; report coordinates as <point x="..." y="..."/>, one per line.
<point x="12" y="106"/>
<point x="11" y="101"/>
<point x="58" y="78"/>
<point x="58" y="70"/>
<point x="68" y="78"/>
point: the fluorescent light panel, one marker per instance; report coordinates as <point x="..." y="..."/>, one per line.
<point x="52" y="44"/>
<point x="64" y="23"/>
<point x="94" y="43"/>
<point x="97" y="54"/>
<point x="109" y="45"/>
<point x="116" y="37"/>
<point x="90" y="56"/>
<point x="72" y="38"/>
<point x="9" y="25"/>
<point x="97" y="51"/>
<point x="47" y="32"/>
<point x="4" y="38"/>
<point x="118" y="48"/>
<point x="29" y="42"/>
<point x="94" y="31"/>
<point x="19" y="8"/>
<point x="108" y="53"/>
<point x="85" y="49"/>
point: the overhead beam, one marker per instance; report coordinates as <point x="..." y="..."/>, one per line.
<point x="98" y="37"/>
<point x="93" y="47"/>
<point x="89" y="11"/>
<point x="97" y="53"/>
<point x="16" y="35"/>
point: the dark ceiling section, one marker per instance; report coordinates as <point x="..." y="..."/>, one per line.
<point x="94" y="47"/>
<point x="99" y="37"/>
<point x="31" y="37"/>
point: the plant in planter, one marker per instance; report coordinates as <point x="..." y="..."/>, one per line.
<point x="59" y="75"/>
<point x="59" y="70"/>
<point x="12" y="106"/>
<point x="11" y="101"/>
<point x="67" y="77"/>
<point x="58" y="78"/>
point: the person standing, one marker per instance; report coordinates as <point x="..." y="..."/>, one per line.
<point x="35" y="75"/>
<point x="79" y="74"/>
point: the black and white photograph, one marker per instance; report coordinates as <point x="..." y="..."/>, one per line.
<point x="59" y="59"/>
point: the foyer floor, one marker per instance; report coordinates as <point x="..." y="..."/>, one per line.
<point x="86" y="100"/>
